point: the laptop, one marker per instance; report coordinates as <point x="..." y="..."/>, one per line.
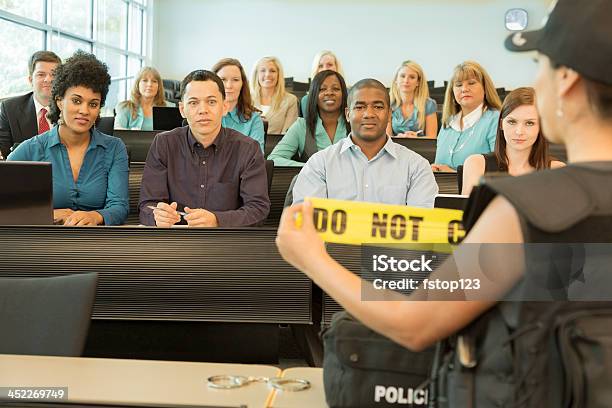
<point x="452" y="201"/>
<point x="26" y="193"/>
<point x="166" y="118"/>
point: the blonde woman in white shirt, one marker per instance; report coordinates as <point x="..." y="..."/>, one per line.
<point x="323" y="60"/>
<point x="279" y="107"/>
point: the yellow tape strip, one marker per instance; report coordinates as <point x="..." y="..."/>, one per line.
<point x="356" y="223"/>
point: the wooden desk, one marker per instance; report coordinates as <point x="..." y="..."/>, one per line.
<point x="112" y="381"/>
<point x="313" y="397"/>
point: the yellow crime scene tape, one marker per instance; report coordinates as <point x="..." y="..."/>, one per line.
<point x="357" y="223"/>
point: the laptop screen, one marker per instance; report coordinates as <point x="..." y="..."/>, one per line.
<point x="166" y="118"/>
<point x="26" y="193"/>
<point x="452" y="201"/>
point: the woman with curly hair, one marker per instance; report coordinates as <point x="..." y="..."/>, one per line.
<point x="242" y="115"/>
<point x="90" y="169"/>
<point x="147" y="92"/>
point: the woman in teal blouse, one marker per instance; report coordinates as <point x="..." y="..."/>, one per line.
<point x="324" y="122"/>
<point x="469" y="119"/>
<point x="413" y="111"/>
<point x="242" y="115"/>
<point x="147" y="92"/>
<point x="90" y="169"/>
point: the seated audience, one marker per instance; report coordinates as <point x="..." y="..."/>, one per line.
<point x="505" y="355"/>
<point x="147" y="92"/>
<point x="414" y="112"/>
<point x="279" y="107"/>
<point x="324" y="60"/>
<point x="324" y="123"/>
<point x="24" y="116"/>
<point x="469" y="118"/>
<point x="215" y="176"/>
<point x="241" y="115"/>
<point x="90" y="169"/>
<point x="368" y="165"/>
<point x="520" y="147"/>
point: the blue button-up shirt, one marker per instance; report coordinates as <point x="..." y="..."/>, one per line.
<point x="102" y="184"/>
<point x="401" y="124"/>
<point x="396" y="175"/>
<point x="454" y="147"/>
<point x="252" y="128"/>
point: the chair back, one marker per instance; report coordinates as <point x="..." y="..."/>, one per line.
<point x="106" y="125"/>
<point x="289" y="195"/>
<point x="46" y="316"/>
<point x="269" y="173"/>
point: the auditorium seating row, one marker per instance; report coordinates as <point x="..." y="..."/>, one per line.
<point x="299" y="89"/>
<point x="138" y="143"/>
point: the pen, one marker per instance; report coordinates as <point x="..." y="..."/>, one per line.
<point x="154" y="208"/>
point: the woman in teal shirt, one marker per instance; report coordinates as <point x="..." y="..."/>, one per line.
<point x="90" y="169"/>
<point x="147" y="92"/>
<point x="242" y="115"/>
<point x="469" y="119"/>
<point x="413" y="111"/>
<point x="324" y="123"/>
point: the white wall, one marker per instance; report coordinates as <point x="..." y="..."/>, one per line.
<point x="370" y="37"/>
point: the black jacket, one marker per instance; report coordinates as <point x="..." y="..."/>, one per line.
<point x="17" y="121"/>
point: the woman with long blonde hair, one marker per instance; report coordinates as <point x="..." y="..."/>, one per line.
<point x="413" y="111"/>
<point x="137" y="112"/>
<point x="279" y="107"/>
<point x="322" y="61"/>
<point x="469" y="117"/>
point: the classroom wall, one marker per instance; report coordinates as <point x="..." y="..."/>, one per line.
<point x="370" y="38"/>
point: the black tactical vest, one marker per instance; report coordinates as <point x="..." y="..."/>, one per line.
<point x="525" y="352"/>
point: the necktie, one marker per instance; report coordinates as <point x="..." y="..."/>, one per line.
<point x="43" y="125"/>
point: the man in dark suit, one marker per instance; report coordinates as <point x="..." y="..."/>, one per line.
<point x="24" y="116"/>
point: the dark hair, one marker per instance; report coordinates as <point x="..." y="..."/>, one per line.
<point x="369" y="83"/>
<point x="538" y="157"/>
<point x="82" y="69"/>
<point x="312" y="110"/>
<point x="42" y="56"/>
<point x="600" y="98"/>
<point x="598" y="94"/>
<point x="245" y="105"/>
<point x="201" y="75"/>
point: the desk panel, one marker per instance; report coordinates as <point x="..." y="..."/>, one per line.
<point x="348" y="256"/>
<point x="218" y="275"/>
<point x="447" y="182"/>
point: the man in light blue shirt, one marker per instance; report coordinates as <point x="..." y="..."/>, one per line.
<point x="368" y="165"/>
